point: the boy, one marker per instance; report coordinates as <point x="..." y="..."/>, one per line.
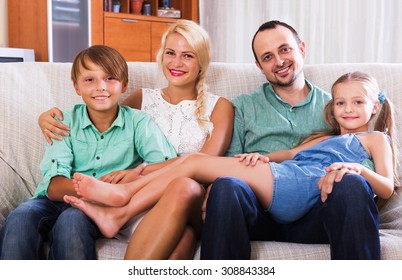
<point x="103" y="137"/>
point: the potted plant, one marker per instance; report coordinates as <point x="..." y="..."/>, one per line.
<point x="136" y="6"/>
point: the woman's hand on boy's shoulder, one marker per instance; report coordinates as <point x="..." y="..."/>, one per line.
<point x="52" y="128"/>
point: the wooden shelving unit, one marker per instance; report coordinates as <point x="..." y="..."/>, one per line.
<point x="188" y="8"/>
<point x="137" y="37"/>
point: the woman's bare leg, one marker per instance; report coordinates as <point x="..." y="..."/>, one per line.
<point x="110" y="219"/>
<point x="186" y="247"/>
<point x="115" y="194"/>
<point x="201" y="168"/>
<point x="164" y="231"/>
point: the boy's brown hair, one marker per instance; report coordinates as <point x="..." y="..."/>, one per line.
<point x="109" y="59"/>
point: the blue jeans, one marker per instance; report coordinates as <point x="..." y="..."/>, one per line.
<point x="348" y="221"/>
<point x="69" y="232"/>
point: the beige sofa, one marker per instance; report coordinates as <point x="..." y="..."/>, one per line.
<point x="27" y="89"/>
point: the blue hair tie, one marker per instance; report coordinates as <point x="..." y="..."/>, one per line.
<point x="381" y="97"/>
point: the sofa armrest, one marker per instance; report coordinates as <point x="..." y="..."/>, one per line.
<point x="13" y="190"/>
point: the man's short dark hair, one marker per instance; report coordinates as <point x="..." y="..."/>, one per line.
<point x="272" y="25"/>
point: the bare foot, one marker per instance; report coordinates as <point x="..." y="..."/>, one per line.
<point x="92" y="189"/>
<point x="105" y="218"/>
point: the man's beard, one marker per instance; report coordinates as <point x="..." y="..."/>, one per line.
<point x="279" y="83"/>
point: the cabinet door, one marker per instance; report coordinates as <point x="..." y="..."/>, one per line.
<point x="158" y="29"/>
<point x="70" y="29"/>
<point x="130" y="37"/>
<point x="27" y="26"/>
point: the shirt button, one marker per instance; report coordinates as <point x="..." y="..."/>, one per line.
<point x="94" y="174"/>
<point x="53" y="160"/>
<point x="166" y="158"/>
<point x="291" y="110"/>
<point x="97" y="158"/>
<point x="102" y="136"/>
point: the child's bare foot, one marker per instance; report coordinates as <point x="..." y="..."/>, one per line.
<point x="98" y="191"/>
<point x="105" y="218"/>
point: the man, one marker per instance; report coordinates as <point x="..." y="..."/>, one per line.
<point x="277" y="116"/>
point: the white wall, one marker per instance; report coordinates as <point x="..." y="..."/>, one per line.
<point x="3" y="24"/>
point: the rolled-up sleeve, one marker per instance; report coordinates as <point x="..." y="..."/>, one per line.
<point x="57" y="161"/>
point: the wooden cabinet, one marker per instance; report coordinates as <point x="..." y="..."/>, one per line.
<point x="136" y="37"/>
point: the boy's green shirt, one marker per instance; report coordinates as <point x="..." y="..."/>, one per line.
<point x="131" y="139"/>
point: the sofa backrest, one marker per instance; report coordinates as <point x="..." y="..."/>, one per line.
<point x="28" y="89"/>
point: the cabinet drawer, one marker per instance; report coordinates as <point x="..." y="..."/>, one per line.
<point x="158" y="29"/>
<point x="130" y="37"/>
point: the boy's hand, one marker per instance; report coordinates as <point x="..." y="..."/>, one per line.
<point x="252" y="158"/>
<point x="123" y="176"/>
<point x="51" y="128"/>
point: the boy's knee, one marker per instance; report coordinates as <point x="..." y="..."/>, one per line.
<point x="72" y="222"/>
<point x="22" y="215"/>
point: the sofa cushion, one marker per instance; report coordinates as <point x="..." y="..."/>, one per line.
<point x="13" y="190"/>
<point x="25" y="92"/>
<point x="391" y="212"/>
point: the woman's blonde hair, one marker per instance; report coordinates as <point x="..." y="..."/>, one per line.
<point x="199" y="41"/>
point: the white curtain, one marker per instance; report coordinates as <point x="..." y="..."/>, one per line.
<point x="334" y="31"/>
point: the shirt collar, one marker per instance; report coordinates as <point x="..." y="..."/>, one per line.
<point x="86" y="121"/>
<point x="270" y="92"/>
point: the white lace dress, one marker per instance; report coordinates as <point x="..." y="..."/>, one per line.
<point x="180" y="125"/>
<point x="178" y="122"/>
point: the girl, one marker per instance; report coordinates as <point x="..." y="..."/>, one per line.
<point x="287" y="189"/>
<point x="192" y="119"/>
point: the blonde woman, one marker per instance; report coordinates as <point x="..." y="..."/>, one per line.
<point x="192" y="119"/>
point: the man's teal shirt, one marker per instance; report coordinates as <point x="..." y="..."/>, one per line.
<point x="131" y="139"/>
<point x="265" y="123"/>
